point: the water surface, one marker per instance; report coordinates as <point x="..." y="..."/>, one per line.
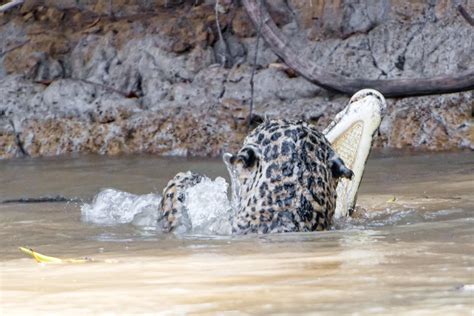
<point x="409" y="249"/>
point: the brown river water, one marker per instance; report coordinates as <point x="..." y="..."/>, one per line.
<point x="408" y="251"/>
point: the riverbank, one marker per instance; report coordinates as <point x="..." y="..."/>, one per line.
<point x="142" y="77"/>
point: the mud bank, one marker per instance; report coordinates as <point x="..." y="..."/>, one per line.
<point x="127" y="76"/>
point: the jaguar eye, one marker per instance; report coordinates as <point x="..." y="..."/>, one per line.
<point x="248" y="157"/>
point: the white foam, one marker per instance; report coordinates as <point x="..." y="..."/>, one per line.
<point x="112" y="206"/>
<point x="208" y="207"/>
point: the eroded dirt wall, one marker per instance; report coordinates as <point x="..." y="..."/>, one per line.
<point x="127" y="76"/>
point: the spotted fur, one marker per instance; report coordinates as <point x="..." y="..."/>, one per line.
<point x="286" y="177"/>
<point x="173" y="202"/>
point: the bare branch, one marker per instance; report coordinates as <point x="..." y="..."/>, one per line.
<point x="254" y="66"/>
<point x="222" y="54"/>
<point x="14" y="47"/>
<point x="308" y="69"/>
<point x="9" y="5"/>
<point x="466" y="15"/>
<point x="219" y="31"/>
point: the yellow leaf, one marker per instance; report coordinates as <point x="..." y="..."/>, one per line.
<point x="40" y="258"/>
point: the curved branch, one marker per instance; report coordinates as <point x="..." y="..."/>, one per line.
<point x="7" y="6"/>
<point x="308" y="69"/>
<point x="466" y="15"/>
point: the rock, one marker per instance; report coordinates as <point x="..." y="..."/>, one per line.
<point x="188" y="94"/>
<point x="77" y="98"/>
<point x="19" y="97"/>
<point x="318" y="110"/>
<point x="336" y="19"/>
<point x="191" y="28"/>
<point x="430" y="123"/>
<point x="229" y="51"/>
<point x="54" y="16"/>
<point x="269" y="84"/>
<point x="12" y="37"/>
<point x="265" y="55"/>
<point x="155" y="90"/>
<point x="37" y="57"/>
<point x="76" y="76"/>
<point x="129" y="69"/>
<point x="242" y="26"/>
<point x="199" y="58"/>
<point x="8" y="142"/>
<point x="212" y="80"/>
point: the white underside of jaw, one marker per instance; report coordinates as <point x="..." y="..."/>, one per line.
<point x="351" y="134"/>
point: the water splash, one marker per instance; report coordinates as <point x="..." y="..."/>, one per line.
<point x="208" y="209"/>
<point x="112" y="206"/>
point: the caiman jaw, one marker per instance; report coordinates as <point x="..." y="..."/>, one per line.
<point x="351" y="134"/>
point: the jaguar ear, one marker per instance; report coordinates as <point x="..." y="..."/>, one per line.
<point x="256" y="120"/>
<point x="247" y="156"/>
<point x="339" y="169"/>
<point x="228" y="158"/>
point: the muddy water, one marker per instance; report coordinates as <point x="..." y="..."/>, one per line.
<point x="411" y="251"/>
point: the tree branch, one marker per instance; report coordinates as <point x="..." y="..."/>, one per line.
<point x="9" y="5"/>
<point x="308" y="69"/>
<point x="465" y="15"/>
<point x="254" y="66"/>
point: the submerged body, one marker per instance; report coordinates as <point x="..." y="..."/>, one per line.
<point x="287" y="178"/>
